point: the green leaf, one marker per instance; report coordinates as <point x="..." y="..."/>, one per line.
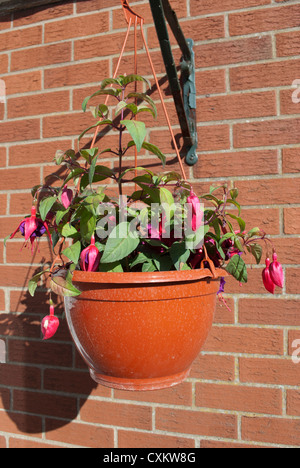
<point x="137" y="131"/>
<point x="101" y="92"/>
<point x="87" y="225"/>
<point x="240" y="221"/>
<point x="114" y="267"/>
<point x="120" y="243"/>
<point x="110" y="81"/>
<point x="101" y="122"/>
<point x="33" y="283"/>
<point x="73" y="252"/>
<point x="63" y="286"/>
<point x="155" y="150"/>
<point x="237" y="268"/>
<point x="92" y="170"/>
<point x="226" y="236"/>
<point x="132" y="78"/>
<point x="179" y="254"/>
<point x="45" y="206"/>
<point x="60" y="215"/>
<point x="256" y="250"/>
<point x="68" y="230"/>
<point x="101" y="173"/>
<point x="144" y="97"/>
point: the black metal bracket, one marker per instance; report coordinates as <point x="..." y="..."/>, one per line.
<point x="183" y="90"/>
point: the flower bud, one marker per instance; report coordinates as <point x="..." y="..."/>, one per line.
<point x="268" y="283"/>
<point x="49" y="324"/>
<point x="66" y="196"/>
<point x="90" y="257"/>
<point x="276" y="272"/>
<point x="197" y="213"/>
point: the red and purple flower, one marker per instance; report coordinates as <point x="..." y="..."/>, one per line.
<point x="90" y="257"/>
<point x="273" y="274"/>
<point x="31" y="228"/>
<point x="49" y="324"/>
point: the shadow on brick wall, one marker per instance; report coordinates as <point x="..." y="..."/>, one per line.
<point x="43" y="384"/>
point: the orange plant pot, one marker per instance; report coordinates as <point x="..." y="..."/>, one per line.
<point x="141" y="331"/>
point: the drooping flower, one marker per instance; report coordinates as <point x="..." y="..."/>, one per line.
<point x="222" y="285"/>
<point x="90" y="257"/>
<point x="49" y="324"/>
<point x="66" y="196"/>
<point x="267" y="280"/>
<point x="197" y="213"/>
<point x="32" y="228"/>
<point x="276" y="272"/>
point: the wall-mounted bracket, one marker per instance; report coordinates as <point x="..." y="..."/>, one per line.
<point x="184" y="93"/>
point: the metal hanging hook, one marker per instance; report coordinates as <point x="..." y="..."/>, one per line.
<point x="130" y="14"/>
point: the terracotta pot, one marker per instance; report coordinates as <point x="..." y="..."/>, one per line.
<point x="141" y="331"/>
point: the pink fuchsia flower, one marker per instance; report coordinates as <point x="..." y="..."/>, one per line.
<point x="66" y="196"/>
<point x="49" y="324"/>
<point x="90" y="257"/>
<point x="197" y="213"/>
<point x="267" y="280"/>
<point x="276" y="272"/>
<point x="32" y="228"/>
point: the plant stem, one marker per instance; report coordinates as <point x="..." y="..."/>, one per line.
<point x="120" y="147"/>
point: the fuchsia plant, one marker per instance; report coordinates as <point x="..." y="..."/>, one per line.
<point x="109" y="236"/>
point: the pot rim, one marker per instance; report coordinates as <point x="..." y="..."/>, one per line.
<point x="147" y="277"/>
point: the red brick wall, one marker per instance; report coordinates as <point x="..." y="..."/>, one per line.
<point x="243" y="390"/>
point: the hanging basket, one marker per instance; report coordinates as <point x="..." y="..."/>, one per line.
<point x="142" y="331"/>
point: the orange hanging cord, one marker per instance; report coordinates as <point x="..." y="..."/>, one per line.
<point x="133" y="18"/>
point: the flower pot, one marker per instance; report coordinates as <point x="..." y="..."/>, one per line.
<point x="141" y="331"/>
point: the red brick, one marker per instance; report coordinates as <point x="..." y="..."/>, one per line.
<point x="238" y="339"/>
<point x="206" y="6"/>
<point x="200" y="29"/>
<point x="3" y="63"/>
<point x="228" y="52"/>
<point x="5" y="22"/>
<point x="19" y="130"/>
<point x="268" y="191"/>
<point x="46" y="103"/>
<point x="291" y="160"/>
<point x="292" y="280"/>
<point x="23" y="82"/>
<point x="291" y="220"/>
<point x="20" y="423"/>
<point x="210" y="444"/>
<point x="76" y="74"/>
<point x="293" y="402"/>
<point x="237" y="106"/>
<point x="42" y="13"/>
<point x="287" y="44"/>
<point x="287" y="106"/>
<point x="178" y="395"/>
<point x="283" y="431"/>
<point x="41" y="56"/>
<point x="269" y="311"/>
<point x="2" y="300"/>
<point x="210" y="82"/>
<point x="239" y="398"/>
<point x="2" y="157"/>
<point x="134" y="439"/>
<point x="90" y="5"/>
<point x="3" y="203"/>
<point x="71" y="381"/>
<point x="39" y="352"/>
<point x="14" y="179"/>
<point x="195" y="422"/>
<point x="45" y="403"/>
<point x="29" y="443"/>
<point x="77" y="27"/>
<point x="109" y="44"/>
<point x="264" y="75"/>
<point x="36" y="153"/>
<point x="269" y="371"/>
<point x="213" y="367"/>
<point x="20" y="203"/>
<point x="20" y="38"/>
<point x="250" y="22"/>
<point x="2" y="442"/>
<point x="236" y="164"/>
<point x="14" y="375"/>
<point x="117" y="414"/>
<point x="67" y="124"/>
<point x="267" y="133"/>
<point x="78" y="434"/>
